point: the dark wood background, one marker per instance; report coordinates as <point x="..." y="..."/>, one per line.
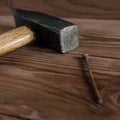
<point x="38" y="83"/>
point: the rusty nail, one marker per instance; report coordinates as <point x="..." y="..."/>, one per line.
<point x="93" y="83"/>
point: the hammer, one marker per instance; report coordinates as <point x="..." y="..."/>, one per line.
<point x="58" y="34"/>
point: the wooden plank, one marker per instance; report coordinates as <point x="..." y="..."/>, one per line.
<point x="5" y="117"/>
<point x="74" y="8"/>
<point x="5" y="11"/>
<point x="107" y="9"/>
<point x="7" y="20"/>
<point x="54" y="84"/>
<point x="6" y="3"/>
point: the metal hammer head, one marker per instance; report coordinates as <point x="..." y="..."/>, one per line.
<point x="56" y="33"/>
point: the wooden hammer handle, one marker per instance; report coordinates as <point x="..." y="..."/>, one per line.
<point x="14" y="39"/>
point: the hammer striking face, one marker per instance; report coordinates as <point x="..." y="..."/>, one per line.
<point x="56" y="33"/>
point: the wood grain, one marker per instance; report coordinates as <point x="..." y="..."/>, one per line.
<point x="56" y="86"/>
<point x="15" y="38"/>
<point x="107" y="9"/>
<point x="6" y="3"/>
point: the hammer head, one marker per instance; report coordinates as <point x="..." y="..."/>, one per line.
<point x="56" y="33"/>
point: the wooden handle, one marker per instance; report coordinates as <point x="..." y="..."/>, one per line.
<point x="14" y="39"/>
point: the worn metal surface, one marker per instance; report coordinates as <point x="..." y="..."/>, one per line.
<point x="56" y="33"/>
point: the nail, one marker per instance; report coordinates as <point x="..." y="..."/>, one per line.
<point x="93" y="82"/>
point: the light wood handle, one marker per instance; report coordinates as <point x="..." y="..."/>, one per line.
<point x="14" y="39"/>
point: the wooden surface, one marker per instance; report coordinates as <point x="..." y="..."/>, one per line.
<point x="70" y="8"/>
<point x="38" y="83"/>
